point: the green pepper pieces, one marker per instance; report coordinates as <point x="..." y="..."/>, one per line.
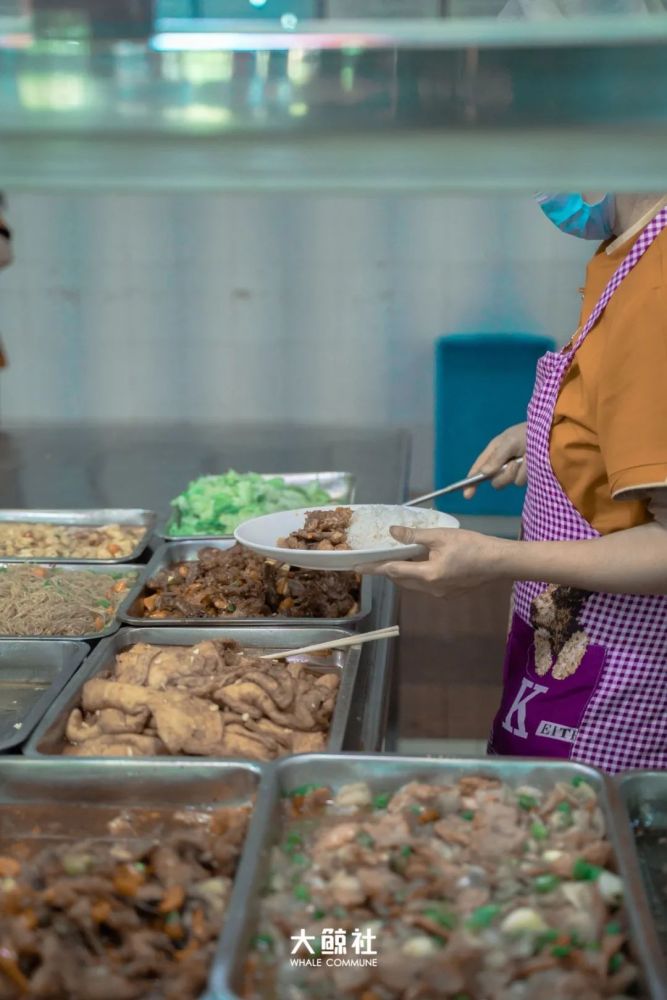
<point x="302" y="790"/>
<point x="584" y="871"/>
<point x="561" y="950"/>
<point x="615" y="963"/>
<point x="365" y="839"/>
<point x="441" y="915"/>
<point x="538" y="831"/>
<point x="482" y="917"/>
<point x="293" y="842"/>
<point x="546" y="883"/>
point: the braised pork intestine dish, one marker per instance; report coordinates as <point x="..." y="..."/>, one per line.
<point x="464" y="889"/>
<point x="41" y="540"/>
<point x="236" y="583"/>
<point x="211" y="699"/>
<point x="125" y="918"/>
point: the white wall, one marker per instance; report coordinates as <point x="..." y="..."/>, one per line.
<point x="317" y="308"/>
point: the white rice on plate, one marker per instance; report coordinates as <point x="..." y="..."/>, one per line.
<point x="369" y="528"/>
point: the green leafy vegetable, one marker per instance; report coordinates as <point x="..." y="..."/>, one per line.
<point x="216" y="505"/>
<point x="538" y="831"/>
<point x="527" y="802"/>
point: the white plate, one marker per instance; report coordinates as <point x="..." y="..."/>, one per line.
<point x="262" y="533"/>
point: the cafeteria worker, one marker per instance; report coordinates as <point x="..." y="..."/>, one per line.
<point x="585" y="671"/>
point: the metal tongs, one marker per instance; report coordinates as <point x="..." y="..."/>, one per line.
<point x="481" y="477"/>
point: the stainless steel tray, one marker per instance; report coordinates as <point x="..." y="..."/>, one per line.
<point x="164" y="782"/>
<point x="114" y="625"/>
<point x="385" y="772"/>
<point x="84" y="519"/>
<point x="49" y="737"/>
<point x="84" y="794"/>
<point x="32" y="674"/>
<point x="644" y="795"/>
<point x="175" y="552"/>
<point x="341" y="487"/>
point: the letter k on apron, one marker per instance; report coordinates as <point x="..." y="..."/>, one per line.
<point x="585" y="674"/>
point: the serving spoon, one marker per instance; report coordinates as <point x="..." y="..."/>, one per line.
<point x="462" y="484"/>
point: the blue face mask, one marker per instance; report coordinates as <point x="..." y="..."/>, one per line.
<point x="577" y="217"/>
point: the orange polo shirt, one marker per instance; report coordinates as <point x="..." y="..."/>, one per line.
<point x="609" y="434"/>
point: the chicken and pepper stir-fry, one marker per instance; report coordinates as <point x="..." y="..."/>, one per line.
<point x="466" y="890"/>
<point x="211" y="699"/>
<point x="236" y="583"/>
<point x="62" y="541"/>
<point x="323" y="530"/>
<point x="128" y="918"/>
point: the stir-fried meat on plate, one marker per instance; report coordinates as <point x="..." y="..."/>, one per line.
<point x="322" y="529"/>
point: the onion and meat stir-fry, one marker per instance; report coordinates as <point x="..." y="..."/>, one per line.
<point x="236" y="583"/>
<point x="40" y="540"/>
<point x="468" y="890"/>
<point x="211" y="699"/>
<point x="128" y="918"/>
<point x="41" y="601"/>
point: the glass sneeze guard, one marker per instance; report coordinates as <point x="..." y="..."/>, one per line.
<point x="425" y="104"/>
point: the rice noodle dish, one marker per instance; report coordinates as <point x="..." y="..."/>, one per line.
<point x="44" y="601"/>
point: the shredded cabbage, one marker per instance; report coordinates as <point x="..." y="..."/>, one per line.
<point x="216" y="505"/>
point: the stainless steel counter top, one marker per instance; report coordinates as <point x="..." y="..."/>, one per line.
<point x="146" y="465"/>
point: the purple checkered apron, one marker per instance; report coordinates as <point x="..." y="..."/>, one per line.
<point x="602" y="699"/>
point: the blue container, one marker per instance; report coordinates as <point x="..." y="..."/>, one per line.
<point x="483" y="383"/>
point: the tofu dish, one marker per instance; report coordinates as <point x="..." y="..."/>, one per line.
<point x="214" y="699"/>
<point x="40" y="540"/>
<point x="464" y="889"/>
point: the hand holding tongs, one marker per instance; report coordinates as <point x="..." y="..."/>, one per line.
<point x="481" y="477"/>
